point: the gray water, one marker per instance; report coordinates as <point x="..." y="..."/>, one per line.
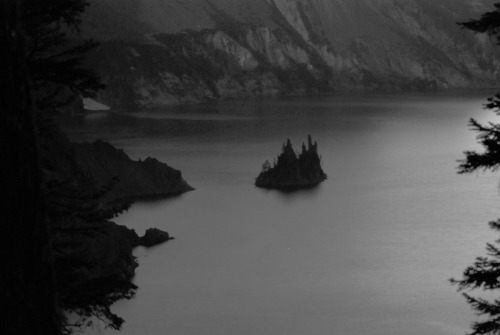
<point x="369" y="251"/>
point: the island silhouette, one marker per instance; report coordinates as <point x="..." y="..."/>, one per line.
<point x="291" y="171"/>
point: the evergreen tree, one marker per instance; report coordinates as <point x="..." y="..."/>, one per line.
<point x="55" y="58"/>
<point x="489" y="137"/>
<point x="56" y="52"/>
<point x="484" y="273"/>
<point x="43" y="69"/>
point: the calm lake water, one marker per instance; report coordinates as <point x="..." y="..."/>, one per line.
<point x="369" y="251"/>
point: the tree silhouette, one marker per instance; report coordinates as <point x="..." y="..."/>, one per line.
<point x="489" y="23"/>
<point x="489" y="137"/>
<point x="42" y="70"/>
<point x="26" y="281"/>
<point x="55" y="52"/>
<point x="484" y="273"/>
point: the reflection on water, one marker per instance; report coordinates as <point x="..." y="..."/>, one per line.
<point x="291" y="196"/>
<point x="367" y="252"/>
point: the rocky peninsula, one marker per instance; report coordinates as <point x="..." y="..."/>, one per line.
<point x="87" y="185"/>
<point x="291" y="171"/>
<point x="136" y="180"/>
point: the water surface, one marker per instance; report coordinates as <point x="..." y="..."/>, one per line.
<point x="367" y="252"/>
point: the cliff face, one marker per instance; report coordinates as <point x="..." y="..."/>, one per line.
<point x="390" y="43"/>
<point x="198" y="50"/>
<point x="199" y="66"/>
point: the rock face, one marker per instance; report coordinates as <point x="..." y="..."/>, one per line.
<point x="200" y="50"/>
<point x="291" y="171"/>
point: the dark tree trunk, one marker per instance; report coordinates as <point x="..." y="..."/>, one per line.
<point x="26" y="277"/>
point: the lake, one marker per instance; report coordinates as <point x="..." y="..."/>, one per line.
<point x="369" y="251"/>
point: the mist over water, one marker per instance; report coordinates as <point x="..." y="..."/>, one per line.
<point x="369" y="251"/>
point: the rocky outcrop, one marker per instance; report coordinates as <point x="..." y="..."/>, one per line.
<point x="290" y="171"/>
<point x="91" y="252"/>
<point x="154" y="236"/>
<point x="100" y="162"/>
<point x="201" y="50"/>
<point x="94" y="264"/>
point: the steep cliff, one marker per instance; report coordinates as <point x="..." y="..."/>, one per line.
<point x="200" y="50"/>
<point x="395" y="44"/>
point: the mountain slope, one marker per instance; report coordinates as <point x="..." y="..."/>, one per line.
<point x="170" y="52"/>
<point x="413" y="39"/>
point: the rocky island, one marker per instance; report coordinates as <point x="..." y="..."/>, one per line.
<point x="291" y="171"/>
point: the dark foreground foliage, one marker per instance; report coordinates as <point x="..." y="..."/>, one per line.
<point x="26" y="280"/>
<point x="489" y="137"/>
<point x="53" y="55"/>
<point x="484" y="273"/>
